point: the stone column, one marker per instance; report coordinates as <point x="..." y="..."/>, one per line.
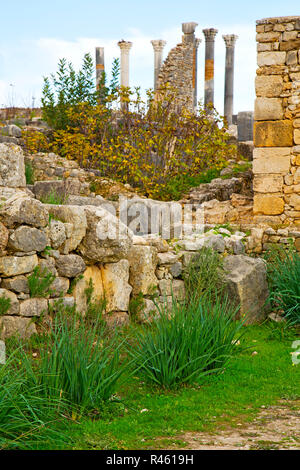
<point x="158" y="46"/>
<point x="99" y="64"/>
<point x="188" y="30"/>
<point x="195" y="71"/>
<point x="210" y="35"/>
<point x="276" y="157"/>
<point x="230" y="40"/>
<point x="125" y="47"/>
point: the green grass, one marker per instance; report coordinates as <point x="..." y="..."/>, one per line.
<point x="236" y="396"/>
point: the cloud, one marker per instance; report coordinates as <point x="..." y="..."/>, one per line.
<point x="25" y="64"/>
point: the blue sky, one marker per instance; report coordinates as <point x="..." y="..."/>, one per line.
<point x="35" y="34"/>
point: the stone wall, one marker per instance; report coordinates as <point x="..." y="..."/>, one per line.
<point x="82" y="240"/>
<point x="276" y="163"/>
<point x="179" y="71"/>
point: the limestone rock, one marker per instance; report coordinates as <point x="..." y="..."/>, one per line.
<point x="11" y="130"/>
<point x="143" y="262"/>
<point x="70" y="265"/>
<point x="117" y="319"/>
<point x="75" y="216"/>
<point x="107" y="239"/>
<point x="4" y="233"/>
<point x="246" y="282"/>
<point x="57" y="233"/>
<point x="48" y="265"/>
<point x="17" y="284"/>
<point x="13" y="325"/>
<point x="14" y="304"/>
<point x="167" y="258"/>
<point x="12" y="168"/>
<point x="59" y="286"/>
<point x="14" y="265"/>
<point x="21" y="209"/>
<point x="33" y="307"/>
<point x="273" y="133"/>
<point x="115" y="285"/>
<point x="28" y="239"/>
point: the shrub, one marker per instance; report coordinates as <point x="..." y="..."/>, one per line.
<point x="54" y="198"/>
<point x="183" y="346"/>
<point x="39" y="282"/>
<point x="283" y="275"/>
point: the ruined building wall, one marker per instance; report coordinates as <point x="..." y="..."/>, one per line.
<point x="177" y="70"/>
<point x="276" y="164"/>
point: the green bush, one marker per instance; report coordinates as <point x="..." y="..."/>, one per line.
<point x="54" y="198"/>
<point x="284" y="282"/>
<point x="183" y="346"/>
<point x="29" y="173"/>
<point x="39" y="282"/>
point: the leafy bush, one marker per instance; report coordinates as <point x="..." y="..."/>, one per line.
<point x="39" y="282"/>
<point x="284" y="275"/>
<point x="183" y="346"/>
<point x="204" y="274"/>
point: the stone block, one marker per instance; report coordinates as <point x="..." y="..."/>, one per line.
<point x="272" y="160"/>
<point x="268" y="204"/>
<point x="14" y="303"/>
<point x="268" y="109"/>
<point x="28" y="239"/>
<point x="268" y="183"/>
<point x="143" y="261"/>
<point x="12" y="167"/>
<point x="115" y="285"/>
<point x="297" y="136"/>
<point x="271" y="58"/>
<point x="33" y="307"/>
<point x="268" y="86"/>
<point x="271" y="36"/>
<point x="14" y="265"/>
<point x="273" y="133"/>
<point x="70" y="265"/>
<point x="291" y="45"/>
<point x="13" y="325"/>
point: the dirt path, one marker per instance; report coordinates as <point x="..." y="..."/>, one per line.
<point x="276" y="427"/>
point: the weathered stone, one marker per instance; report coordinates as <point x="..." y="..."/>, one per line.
<point x="268" y="204"/>
<point x="75" y="216"/>
<point x="291" y="58"/>
<point x="268" y="109"/>
<point x="271" y="58"/>
<point x="2" y="352"/>
<point x="273" y="133"/>
<point x="4" y="234"/>
<point x="295" y="201"/>
<point x="290" y="45"/>
<point x="66" y="302"/>
<point x="13" y="325"/>
<point x="176" y="269"/>
<point x="45" y="189"/>
<point x="178" y="289"/>
<point x="11" y="130"/>
<point x="107" y="239"/>
<point x="28" y="239"/>
<point x="14" y="304"/>
<point x="268" y="183"/>
<point x="59" y="287"/>
<point x="33" y="307"/>
<point x="143" y="261"/>
<point x="277" y="160"/>
<point x="14" y="265"/>
<point x="48" y="265"/>
<point x="115" y="285"/>
<point x="21" y="209"/>
<point x="17" y="284"/>
<point x="117" y="319"/>
<point x="271" y="36"/>
<point x="297" y="136"/>
<point x="57" y="233"/>
<point x="246" y="281"/>
<point x="216" y="242"/>
<point x="70" y="265"/>
<point x="167" y="258"/>
<point x="149" y="311"/>
<point x="12" y="168"/>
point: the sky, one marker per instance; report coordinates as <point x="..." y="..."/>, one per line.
<point x="35" y="34"/>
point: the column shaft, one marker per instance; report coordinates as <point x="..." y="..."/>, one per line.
<point x="229" y="77"/>
<point x="99" y="64"/>
<point x="210" y="35"/>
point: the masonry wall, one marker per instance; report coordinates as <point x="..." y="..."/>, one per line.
<point x="178" y="72"/>
<point x="276" y="164"/>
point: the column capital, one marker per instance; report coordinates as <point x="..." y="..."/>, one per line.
<point x="125" y="45"/>
<point x="230" y="39"/>
<point x="197" y="42"/>
<point x="158" y="44"/>
<point x="210" y="34"/>
<point x="189" y="28"/>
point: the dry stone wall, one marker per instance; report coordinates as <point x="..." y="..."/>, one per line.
<point x="276" y="163"/>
